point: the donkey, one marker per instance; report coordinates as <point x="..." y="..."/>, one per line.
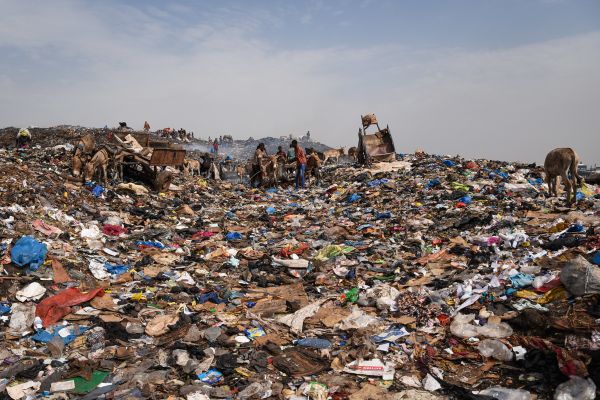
<point x="98" y="164"/>
<point x="558" y="163"/>
<point x="333" y="153"/>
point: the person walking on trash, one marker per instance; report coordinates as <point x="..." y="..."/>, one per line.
<point x="23" y="138"/>
<point x="259" y="154"/>
<point x="300" y="163"/>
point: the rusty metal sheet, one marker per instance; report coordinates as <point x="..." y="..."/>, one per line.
<point x="167" y="157"/>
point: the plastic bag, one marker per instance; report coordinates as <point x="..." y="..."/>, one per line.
<point x="502" y="393"/>
<point x="495" y="349"/>
<point x="576" y="388"/>
<point x="580" y="277"/>
<point x="28" y="251"/>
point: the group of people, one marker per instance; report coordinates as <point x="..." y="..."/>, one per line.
<point x="181" y="134"/>
<point x="295" y="153"/>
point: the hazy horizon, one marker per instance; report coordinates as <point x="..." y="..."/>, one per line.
<point x="506" y="80"/>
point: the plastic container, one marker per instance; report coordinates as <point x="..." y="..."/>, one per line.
<point x="495" y="349"/>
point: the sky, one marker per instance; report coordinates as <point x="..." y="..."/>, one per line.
<point x="499" y="79"/>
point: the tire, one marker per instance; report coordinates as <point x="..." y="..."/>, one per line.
<point x="163" y="181"/>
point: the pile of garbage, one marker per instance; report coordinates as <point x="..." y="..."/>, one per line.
<point x="426" y="278"/>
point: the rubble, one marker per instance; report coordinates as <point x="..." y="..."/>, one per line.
<point x="429" y="277"/>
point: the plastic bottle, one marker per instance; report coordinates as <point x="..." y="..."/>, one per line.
<point x="495" y="349"/>
<point x="576" y="388"/>
<point x="502" y="393"/>
<point x="315" y="343"/>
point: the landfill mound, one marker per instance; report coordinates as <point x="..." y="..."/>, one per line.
<point x="425" y="278"/>
<point x="238" y="149"/>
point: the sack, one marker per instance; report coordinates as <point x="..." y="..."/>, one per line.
<point x="580" y="277"/>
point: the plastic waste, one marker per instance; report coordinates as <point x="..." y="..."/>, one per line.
<point x="256" y="390"/>
<point x="541" y="280"/>
<point x="577" y="228"/>
<point x="502" y="393"/>
<point x="350" y="296"/>
<point x="580" y="277"/>
<point x="433" y="183"/>
<point x="97" y="191"/>
<point x="596" y="259"/>
<point x="495" y="349"/>
<point x="211" y="377"/>
<point x="354" y="197"/>
<point x="466" y="199"/>
<point x="53" y="308"/>
<point x="314" y="343"/>
<point x="576" y="388"/>
<point x="521" y="280"/>
<point x="32" y="292"/>
<point x="462" y="327"/>
<point x="28" y="252"/>
<point x="373" y="367"/>
<point x="233" y="236"/>
<point x="116" y="269"/>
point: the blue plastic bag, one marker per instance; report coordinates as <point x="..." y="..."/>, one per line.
<point x="353" y="197"/>
<point x="596" y="259"/>
<point x="45" y="336"/>
<point x="536" y="182"/>
<point x="433" y="183"/>
<point x="116" y="269"/>
<point x="521" y="280"/>
<point x="377" y="182"/>
<point x="577" y="228"/>
<point x="157" y="245"/>
<point x="28" y="251"/>
<point x="4" y="308"/>
<point x="233" y="236"/>
<point x="449" y="163"/>
<point x="466" y="199"/>
<point x="211" y="297"/>
<point x="270" y="210"/>
<point x="97" y="190"/>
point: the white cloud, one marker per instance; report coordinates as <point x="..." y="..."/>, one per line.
<point x="217" y="74"/>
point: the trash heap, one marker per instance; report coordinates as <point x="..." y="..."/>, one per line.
<point x="426" y="278"/>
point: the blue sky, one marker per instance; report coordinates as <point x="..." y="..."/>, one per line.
<point x="503" y="79"/>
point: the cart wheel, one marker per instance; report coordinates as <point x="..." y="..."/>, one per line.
<point x="163" y="181"/>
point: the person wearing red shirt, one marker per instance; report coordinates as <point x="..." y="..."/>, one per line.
<point x="300" y="163"/>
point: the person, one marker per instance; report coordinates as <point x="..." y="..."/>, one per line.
<point x="291" y="154"/>
<point x="23" y="138"/>
<point x="146" y="126"/>
<point x="259" y="154"/>
<point x="300" y="163"/>
<point x="281" y="153"/>
<point x="216" y="146"/>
